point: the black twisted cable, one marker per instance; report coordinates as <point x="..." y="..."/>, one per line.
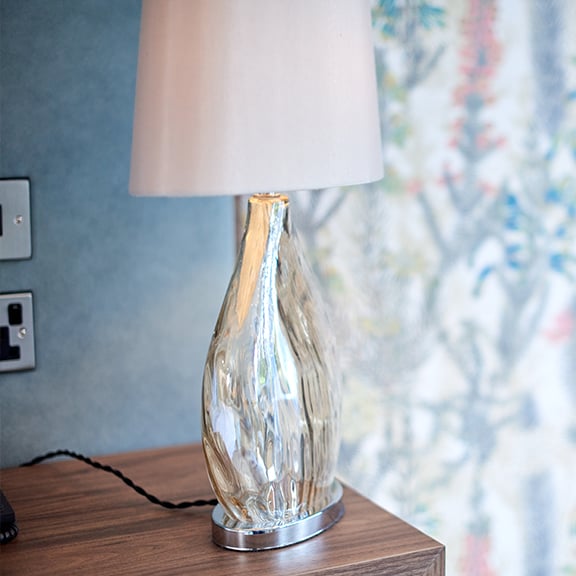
<point x="104" y="467"/>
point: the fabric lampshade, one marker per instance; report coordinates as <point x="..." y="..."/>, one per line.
<point x="248" y="96"/>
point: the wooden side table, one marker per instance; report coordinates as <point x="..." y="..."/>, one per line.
<point x="77" y="520"/>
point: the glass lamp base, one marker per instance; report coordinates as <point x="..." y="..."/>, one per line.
<point x="245" y="537"/>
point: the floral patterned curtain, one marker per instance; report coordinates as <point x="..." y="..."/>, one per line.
<point x="452" y="283"/>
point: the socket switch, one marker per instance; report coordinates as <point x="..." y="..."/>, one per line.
<point x="15" y="225"/>
<point x="16" y="332"/>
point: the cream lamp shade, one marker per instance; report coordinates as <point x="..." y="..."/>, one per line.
<point x="248" y="96"/>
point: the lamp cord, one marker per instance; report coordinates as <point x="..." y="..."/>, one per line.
<point x="104" y="467"/>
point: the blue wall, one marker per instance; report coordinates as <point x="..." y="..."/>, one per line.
<point x="126" y="290"/>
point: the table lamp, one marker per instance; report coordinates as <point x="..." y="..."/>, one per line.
<point x="261" y="97"/>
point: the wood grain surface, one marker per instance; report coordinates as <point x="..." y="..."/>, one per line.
<point x="77" y="520"/>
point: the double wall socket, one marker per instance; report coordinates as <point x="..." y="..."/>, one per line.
<point x="16" y="332"/>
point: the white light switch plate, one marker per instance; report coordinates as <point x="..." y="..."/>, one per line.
<point x="15" y="225"/>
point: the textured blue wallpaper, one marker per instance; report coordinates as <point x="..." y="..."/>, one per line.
<point x="126" y="290"/>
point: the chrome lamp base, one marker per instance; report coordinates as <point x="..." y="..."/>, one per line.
<point x="244" y="537"/>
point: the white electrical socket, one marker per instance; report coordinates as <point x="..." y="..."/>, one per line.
<point x="16" y="332"/>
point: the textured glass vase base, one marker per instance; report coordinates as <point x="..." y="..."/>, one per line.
<point x="234" y="535"/>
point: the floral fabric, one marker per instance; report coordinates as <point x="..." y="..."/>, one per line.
<point x="452" y="283"/>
